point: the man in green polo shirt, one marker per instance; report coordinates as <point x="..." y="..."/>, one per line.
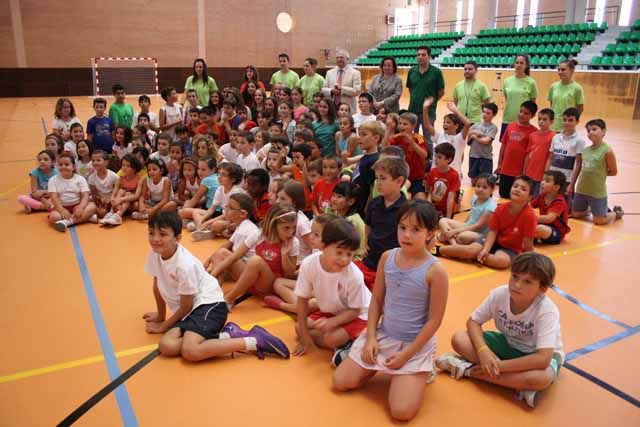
<point x="471" y="94"/>
<point x="284" y="76"/>
<point x="424" y="80"/>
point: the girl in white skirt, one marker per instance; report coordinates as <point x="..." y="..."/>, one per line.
<point x="411" y="290"/>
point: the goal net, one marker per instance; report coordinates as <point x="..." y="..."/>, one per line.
<point x="137" y="75"/>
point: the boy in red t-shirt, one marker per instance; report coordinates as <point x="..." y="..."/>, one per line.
<point x="257" y="185"/>
<point x="416" y="152"/>
<point x="553" y="222"/>
<point x="512" y="228"/>
<point x="208" y="123"/>
<point x="323" y="190"/>
<point x="443" y="182"/>
<point x="538" y="149"/>
<point x="513" y="149"/>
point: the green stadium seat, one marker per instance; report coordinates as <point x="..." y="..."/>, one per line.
<point x="603" y="27"/>
<point x="610" y="49"/>
<point x="596" y="62"/>
<point x="635" y="36"/>
<point x="636" y="25"/>
<point x="618" y="61"/>
<point x="629" y="62"/>
<point x="544" y="62"/>
<point x="624" y="36"/>
<point x="633" y="48"/>
<point x="607" y="61"/>
<point x="571" y="38"/>
<point x="621" y="49"/>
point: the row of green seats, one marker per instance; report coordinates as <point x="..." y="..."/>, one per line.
<point x="622" y="49"/>
<point x="546" y="29"/>
<point x="402" y="60"/>
<point x="429" y="36"/>
<point x="617" y="62"/>
<point x="520" y="40"/>
<point x="544" y="61"/>
<point x="629" y="36"/>
<point x="399" y="52"/>
<point x="415" y="44"/>
<point x="567" y="49"/>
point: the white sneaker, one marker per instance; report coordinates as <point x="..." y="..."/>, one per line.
<point x="200" y="235"/>
<point x="93" y="218"/>
<point x="529" y="396"/>
<point x="115" y="219"/>
<point x="139" y="216"/>
<point x="453" y="364"/>
<point x="191" y="226"/>
<point x="62" y="225"/>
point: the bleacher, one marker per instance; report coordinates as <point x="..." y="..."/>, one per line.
<point x="623" y="55"/>
<point x="547" y="45"/>
<point x="403" y="48"/>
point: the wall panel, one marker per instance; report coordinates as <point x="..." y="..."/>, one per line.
<point x="7" y="47"/>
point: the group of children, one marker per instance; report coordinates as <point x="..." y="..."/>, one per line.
<point x="335" y="217"/>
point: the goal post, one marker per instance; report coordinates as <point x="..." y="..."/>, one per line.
<point x="139" y="75"/>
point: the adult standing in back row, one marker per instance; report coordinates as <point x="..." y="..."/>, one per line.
<point x="517" y="89"/>
<point x="343" y="83"/>
<point x="284" y="77"/>
<point x="386" y="87"/>
<point x="424" y="80"/>
<point x="471" y="94"/>
<point x="201" y="82"/>
<point x="565" y="93"/>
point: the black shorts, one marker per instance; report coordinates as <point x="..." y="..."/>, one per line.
<point x="207" y="320"/>
<point x="504" y="188"/>
<point x="496" y="247"/>
<point x="555" y="237"/>
<point x="478" y="166"/>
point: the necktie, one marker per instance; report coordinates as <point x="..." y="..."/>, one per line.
<point x="339" y="83"/>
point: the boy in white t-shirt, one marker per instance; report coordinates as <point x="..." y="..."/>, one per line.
<point x="196" y="329"/>
<point x="338" y="286"/>
<point x="365" y="104"/>
<point x="170" y="112"/>
<point x="566" y="149"/>
<point x="102" y="182"/>
<point x="247" y="159"/>
<point x="455" y="128"/>
<point x="526" y="354"/>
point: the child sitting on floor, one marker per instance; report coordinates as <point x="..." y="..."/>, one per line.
<point x="526" y="352"/>
<point x="411" y="289"/>
<point x="553" y="222"/>
<point x="39" y="199"/>
<point x="338" y="287"/>
<point x="196" y="328"/>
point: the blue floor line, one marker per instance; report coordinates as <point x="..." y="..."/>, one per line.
<point x="122" y="396"/>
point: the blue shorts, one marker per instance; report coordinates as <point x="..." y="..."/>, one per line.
<point x="582" y="203"/>
<point x="206" y="320"/>
<point x="535" y="189"/>
<point x="555" y="237"/>
<point x="478" y="166"/>
<point x="417" y="186"/>
<point x="496" y="247"/>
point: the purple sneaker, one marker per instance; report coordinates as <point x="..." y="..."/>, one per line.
<point x="235" y="331"/>
<point x="268" y="343"/>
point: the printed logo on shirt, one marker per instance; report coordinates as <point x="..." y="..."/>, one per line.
<point x="514" y="327"/>
<point x="269" y="255"/>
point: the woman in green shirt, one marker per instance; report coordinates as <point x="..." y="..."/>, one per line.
<point x="201" y="82"/>
<point x="517" y="89"/>
<point x="311" y="82"/>
<point x="326" y="127"/>
<point x="565" y="93"/>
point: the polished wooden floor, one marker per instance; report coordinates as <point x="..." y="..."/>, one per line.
<point x="52" y="359"/>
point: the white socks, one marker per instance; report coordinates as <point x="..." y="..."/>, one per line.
<point x="224" y="336"/>
<point x="251" y="343"/>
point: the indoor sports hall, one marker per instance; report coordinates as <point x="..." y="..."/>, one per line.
<point x="75" y="349"/>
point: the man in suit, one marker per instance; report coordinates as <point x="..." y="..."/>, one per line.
<point x="343" y="83"/>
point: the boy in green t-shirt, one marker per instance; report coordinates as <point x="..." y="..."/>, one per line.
<point x="121" y="114"/>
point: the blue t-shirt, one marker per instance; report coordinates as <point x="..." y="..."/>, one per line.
<point x="43" y="180"/>
<point x="383" y="226"/>
<point x="479" y="209"/>
<point x="187" y="149"/>
<point x="212" y="184"/>
<point x="101" y="129"/>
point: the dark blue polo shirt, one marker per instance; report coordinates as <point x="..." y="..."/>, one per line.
<point x="383" y="225"/>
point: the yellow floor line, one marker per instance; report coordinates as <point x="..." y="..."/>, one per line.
<point x="485" y="271"/>
<point x="15" y="187"/>
<point x="120" y="354"/>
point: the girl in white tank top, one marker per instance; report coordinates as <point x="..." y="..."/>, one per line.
<point x="156" y="191"/>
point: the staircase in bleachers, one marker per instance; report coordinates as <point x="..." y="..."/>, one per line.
<point x="622" y="55"/>
<point x="403" y="48"/>
<point x="547" y="45"/>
